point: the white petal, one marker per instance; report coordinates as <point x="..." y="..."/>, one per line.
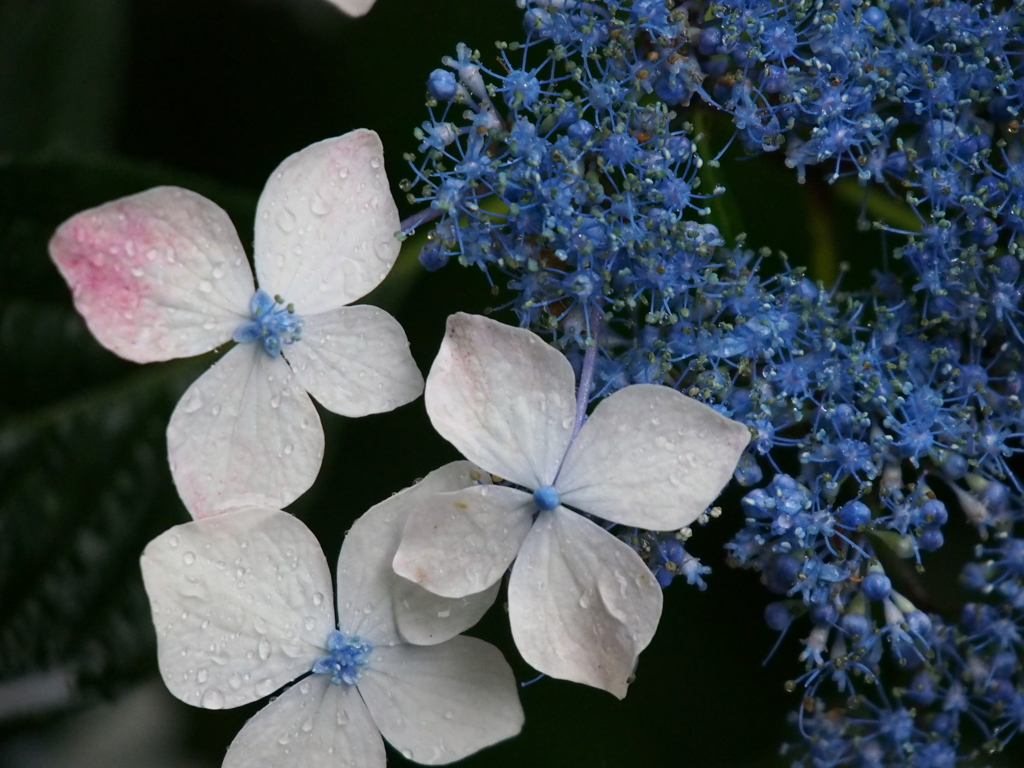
<point x="244" y="433"/>
<point x="326" y="224"/>
<point x="439" y="703"/>
<point x="651" y="457"/>
<point x="241" y="604"/>
<point x="355" y="361"/>
<point x="354" y="7"/>
<point x="425" y="618"/>
<point x="156" y="275"/>
<point x="372" y="597"/>
<point x="503" y="397"/>
<point x="460" y="543"/>
<point x="314" y="724"/>
<point x="582" y="604"/>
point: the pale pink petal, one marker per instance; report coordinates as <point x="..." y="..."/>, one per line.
<point x="326" y="224"/>
<point x="651" y="457"/>
<point x="354" y="7"/>
<point x="241" y="604"/>
<point x="437" y="704"/>
<point x="372" y="597"/>
<point x="460" y="543"/>
<point x="244" y="433"/>
<point x="503" y="397"/>
<point x="314" y="724"/>
<point x="355" y="361"/>
<point x="582" y="603"/>
<point x="156" y="275"/>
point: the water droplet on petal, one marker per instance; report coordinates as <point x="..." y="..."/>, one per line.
<point x="263" y="648"/>
<point x="202" y="676"/>
<point x="188" y="558"/>
<point x="212" y="699"/>
<point x="318" y="205"/>
<point x="205" y="286"/>
<point x="286" y="220"/>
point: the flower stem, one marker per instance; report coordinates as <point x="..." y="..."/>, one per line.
<point x="587" y="374"/>
<point x="407" y="226"/>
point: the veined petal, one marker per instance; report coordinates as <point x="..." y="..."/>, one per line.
<point x="355" y="361"/>
<point x="241" y="604"/>
<point x="326" y="224"/>
<point x="244" y="433"/>
<point x="651" y="457"/>
<point x="460" y="543"/>
<point x="439" y="703"/>
<point x="157" y="275"/>
<point x="582" y="604"/>
<point x="503" y="397"/>
<point x="314" y="724"/>
<point x="354" y="7"/>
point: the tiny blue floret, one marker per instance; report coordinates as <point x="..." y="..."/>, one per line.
<point x="273" y="323"/>
<point x="546" y="498"/>
<point x="348" y="657"/>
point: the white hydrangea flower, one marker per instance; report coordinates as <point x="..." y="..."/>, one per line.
<point x="242" y="606"/>
<point x="162" y="274"/>
<point x="582" y="603"/>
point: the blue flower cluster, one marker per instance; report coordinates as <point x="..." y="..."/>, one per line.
<point x="572" y="170"/>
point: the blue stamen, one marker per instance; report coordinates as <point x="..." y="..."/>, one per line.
<point x="348" y="656"/>
<point x="546" y="498"/>
<point x="273" y="323"/>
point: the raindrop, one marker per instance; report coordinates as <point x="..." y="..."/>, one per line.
<point x="264" y="649"/>
<point x="235" y="681"/>
<point x="275" y="401"/>
<point x="318" y="598"/>
<point x="342" y="717"/>
<point x="286" y="220"/>
<point x="307" y="725"/>
<point x="343" y="173"/>
<point x="174" y="541"/>
<point x="136" y="272"/>
<point x="212" y="699"/>
<point x="188" y="558"/>
<point x="264" y="687"/>
<point x="202" y="676"/>
<point x="193" y="401"/>
<point x="374" y="162"/>
<point x="288" y="449"/>
<point x="309" y="623"/>
<point x="205" y="286"/>
<point x="218" y="273"/>
<point x="367" y="609"/>
<point x="318" y="205"/>
<point x="448" y="715"/>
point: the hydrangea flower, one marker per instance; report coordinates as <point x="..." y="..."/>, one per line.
<point x="582" y="603"/>
<point x="241" y="603"/>
<point x="162" y="274"/>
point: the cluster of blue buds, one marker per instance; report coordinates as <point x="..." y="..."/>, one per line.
<point x="573" y="170"/>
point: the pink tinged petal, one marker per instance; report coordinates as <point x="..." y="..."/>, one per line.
<point x="651" y="457"/>
<point x="354" y="7"/>
<point x="326" y="224"/>
<point x="241" y="604"/>
<point x="314" y="724"/>
<point x="244" y="433"/>
<point x="503" y="397"/>
<point x="437" y="704"/>
<point x="371" y="595"/>
<point x="582" y="603"/>
<point x="355" y="361"/>
<point x="156" y="275"/>
<point x="458" y="544"/>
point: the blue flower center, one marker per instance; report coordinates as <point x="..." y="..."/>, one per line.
<point x="273" y="323"/>
<point x="546" y="498"/>
<point x="348" y="657"/>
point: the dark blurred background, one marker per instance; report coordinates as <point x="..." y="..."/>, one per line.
<point x="102" y="98"/>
